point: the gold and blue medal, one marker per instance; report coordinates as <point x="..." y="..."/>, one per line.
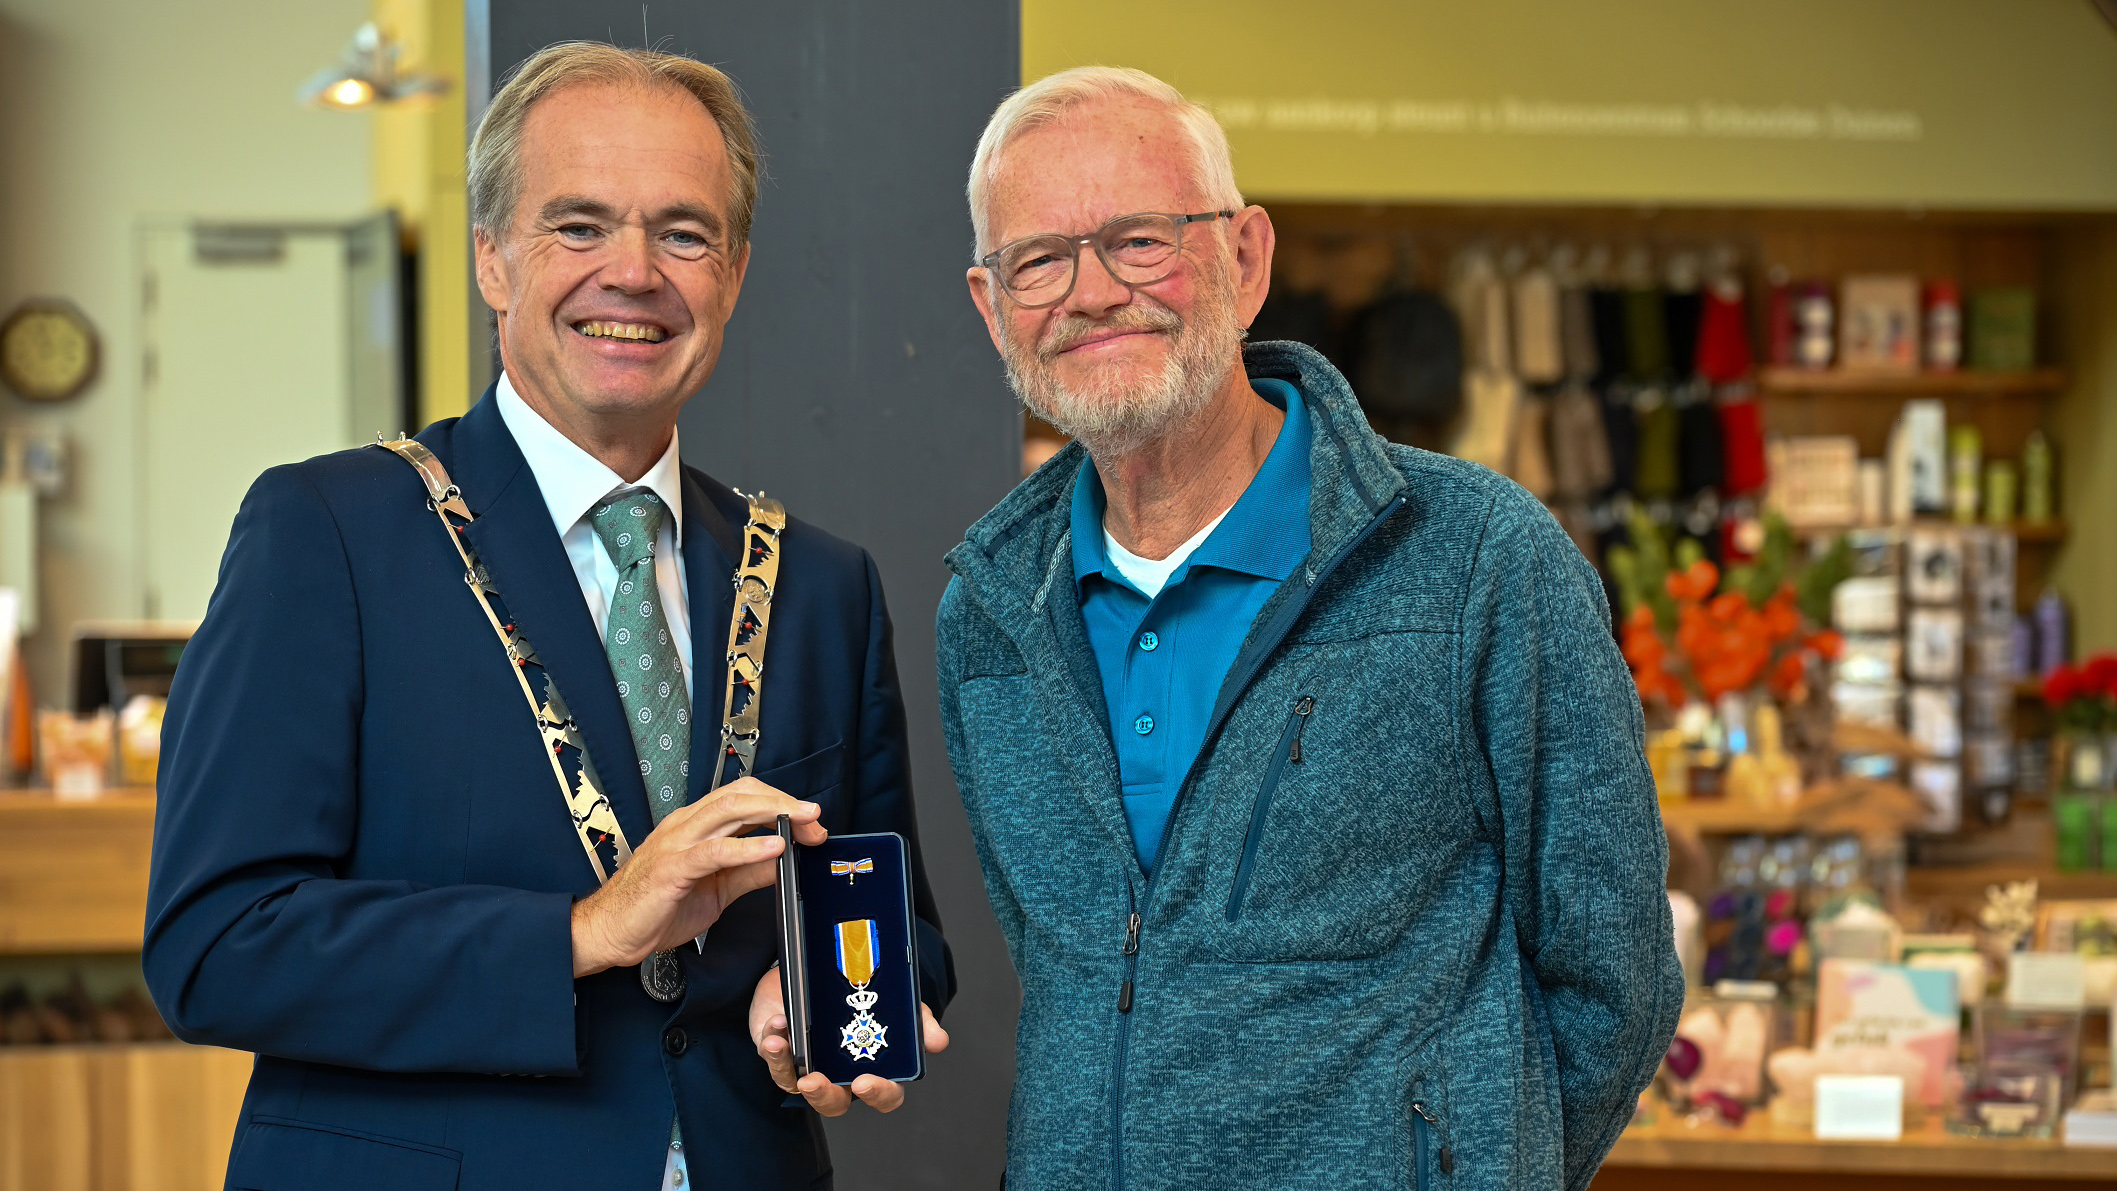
<point x="858" y="943"/>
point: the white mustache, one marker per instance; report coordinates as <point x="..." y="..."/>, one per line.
<point x="1077" y="327"/>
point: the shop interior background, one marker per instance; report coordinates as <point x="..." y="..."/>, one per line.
<point x="269" y="279"/>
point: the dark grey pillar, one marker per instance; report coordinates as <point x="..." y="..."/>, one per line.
<point x="859" y="387"/>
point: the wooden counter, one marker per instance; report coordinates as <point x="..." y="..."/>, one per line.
<point x="73" y="873"/>
<point x="1671" y="1153"/>
<point x="151" y="1116"/>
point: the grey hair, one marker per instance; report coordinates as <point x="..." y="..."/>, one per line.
<point x="1048" y="99"/>
<point x="495" y="169"/>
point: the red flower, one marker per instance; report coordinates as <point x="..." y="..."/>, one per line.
<point x="2060" y="686"/>
<point x="2098" y="676"/>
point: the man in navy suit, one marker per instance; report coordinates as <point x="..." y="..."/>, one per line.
<point x="363" y="868"/>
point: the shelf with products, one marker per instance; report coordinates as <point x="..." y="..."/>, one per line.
<point x="2034" y="382"/>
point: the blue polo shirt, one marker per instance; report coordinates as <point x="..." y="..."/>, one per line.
<point x="1162" y="660"/>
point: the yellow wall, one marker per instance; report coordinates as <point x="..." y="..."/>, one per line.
<point x="2086" y="438"/>
<point x="111" y="110"/>
<point x="419" y="172"/>
<point x="1962" y="103"/>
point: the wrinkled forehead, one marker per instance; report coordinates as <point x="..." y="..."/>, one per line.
<point x="628" y="140"/>
<point x="1099" y="160"/>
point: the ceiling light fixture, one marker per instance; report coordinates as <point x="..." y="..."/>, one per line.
<point x="367" y="74"/>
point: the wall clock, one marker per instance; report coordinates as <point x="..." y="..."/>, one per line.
<point x="48" y="350"/>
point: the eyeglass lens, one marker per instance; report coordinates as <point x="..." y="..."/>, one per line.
<point x="1139" y="250"/>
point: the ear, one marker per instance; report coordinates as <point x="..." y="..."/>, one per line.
<point x="980" y="282"/>
<point x="492" y="271"/>
<point x="1255" y="240"/>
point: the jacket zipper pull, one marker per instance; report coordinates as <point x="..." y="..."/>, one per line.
<point x="1124" y="992"/>
<point x="1447" y="1155"/>
<point x="1302" y="707"/>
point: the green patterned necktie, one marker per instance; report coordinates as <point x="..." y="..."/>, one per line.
<point x="650" y="677"/>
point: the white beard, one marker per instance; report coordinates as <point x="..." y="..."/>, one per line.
<point x="1107" y="417"/>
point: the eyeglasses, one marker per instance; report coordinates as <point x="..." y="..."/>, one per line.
<point x="1141" y="249"/>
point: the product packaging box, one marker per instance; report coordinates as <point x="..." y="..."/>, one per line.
<point x="1864" y="1004"/>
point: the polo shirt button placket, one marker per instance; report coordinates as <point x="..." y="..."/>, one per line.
<point x="1148" y="641"/>
<point x="1144" y="724"/>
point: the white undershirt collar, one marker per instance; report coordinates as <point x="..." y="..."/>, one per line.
<point x="574" y="481"/>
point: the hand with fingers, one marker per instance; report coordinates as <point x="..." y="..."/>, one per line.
<point x="768" y="1029"/>
<point x="688" y="869"/>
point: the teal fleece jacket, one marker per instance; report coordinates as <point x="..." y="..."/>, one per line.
<point x="1407" y="928"/>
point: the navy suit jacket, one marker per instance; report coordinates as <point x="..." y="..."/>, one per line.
<point x="364" y="873"/>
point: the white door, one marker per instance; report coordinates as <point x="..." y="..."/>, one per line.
<point x="260" y="346"/>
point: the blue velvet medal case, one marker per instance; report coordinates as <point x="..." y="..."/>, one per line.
<point x="847" y="960"/>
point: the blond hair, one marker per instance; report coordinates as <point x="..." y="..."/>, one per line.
<point x="1048" y="99"/>
<point x="495" y="167"/>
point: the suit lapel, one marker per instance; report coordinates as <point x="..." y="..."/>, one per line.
<point x="515" y="539"/>
<point x="711" y="526"/>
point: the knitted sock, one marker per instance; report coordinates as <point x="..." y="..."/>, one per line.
<point x="1539" y="356"/>
<point x="1742" y="442"/>
<point x="1576" y="332"/>
<point x="1701" y="460"/>
<point x="1723" y="336"/>
<point x="1655" y="472"/>
<point x="1621" y="432"/>
<point x="1681" y="310"/>
<point x="1646" y="335"/>
<point x="1606" y="310"/>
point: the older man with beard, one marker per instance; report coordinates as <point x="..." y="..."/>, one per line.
<point x="1307" y="780"/>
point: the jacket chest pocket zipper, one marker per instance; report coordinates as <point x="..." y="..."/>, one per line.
<point x="1423" y="1124"/>
<point x="1289" y="754"/>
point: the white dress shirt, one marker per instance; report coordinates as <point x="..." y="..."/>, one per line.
<point x="574" y="482"/>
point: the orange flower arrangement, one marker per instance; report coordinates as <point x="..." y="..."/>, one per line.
<point x="1725" y="638"/>
<point x="1726" y="643"/>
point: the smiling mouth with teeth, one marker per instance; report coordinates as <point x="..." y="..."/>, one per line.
<point x="636" y="332"/>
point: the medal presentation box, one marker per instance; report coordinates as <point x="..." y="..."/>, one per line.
<point x="848" y="965"/>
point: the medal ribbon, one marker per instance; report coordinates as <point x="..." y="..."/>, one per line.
<point x="857" y="945"/>
<point x="849" y="868"/>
